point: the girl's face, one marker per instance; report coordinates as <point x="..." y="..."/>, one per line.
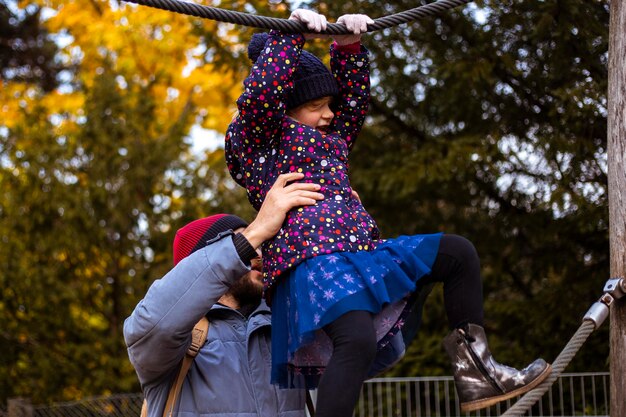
<point x="314" y="113"/>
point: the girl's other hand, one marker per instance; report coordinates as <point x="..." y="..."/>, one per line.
<point x="355" y="23"/>
<point x="314" y="21"/>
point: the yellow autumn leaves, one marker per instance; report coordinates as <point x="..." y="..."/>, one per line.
<point x="144" y="47"/>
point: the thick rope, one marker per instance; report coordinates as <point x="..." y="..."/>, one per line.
<point x="292" y="26"/>
<point x="564" y="358"/>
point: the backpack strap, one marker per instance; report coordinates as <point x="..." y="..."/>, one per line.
<point x="309" y="404"/>
<point x="198" y="337"/>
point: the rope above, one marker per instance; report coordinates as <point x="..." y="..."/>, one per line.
<point x="292" y="26"/>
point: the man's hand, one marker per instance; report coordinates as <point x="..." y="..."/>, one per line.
<point x="314" y="21"/>
<point x="279" y="200"/>
<point x="355" y="23"/>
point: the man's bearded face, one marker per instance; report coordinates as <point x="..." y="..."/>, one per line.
<point x="249" y="289"/>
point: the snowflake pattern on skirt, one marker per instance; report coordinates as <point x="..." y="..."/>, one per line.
<point x="323" y="288"/>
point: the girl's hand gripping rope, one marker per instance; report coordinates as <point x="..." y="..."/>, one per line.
<point x="355" y="23"/>
<point x="314" y="21"/>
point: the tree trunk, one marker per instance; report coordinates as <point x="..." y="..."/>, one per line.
<point x="617" y="198"/>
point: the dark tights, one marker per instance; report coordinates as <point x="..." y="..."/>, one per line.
<point x="354" y="339"/>
<point x="457" y="266"/>
<point x="354" y="350"/>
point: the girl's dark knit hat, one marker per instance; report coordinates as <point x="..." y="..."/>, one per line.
<point x="196" y="234"/>
<point x="311" y="78"/>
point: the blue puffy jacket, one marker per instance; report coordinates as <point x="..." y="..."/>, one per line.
<point x="231" y="374"/>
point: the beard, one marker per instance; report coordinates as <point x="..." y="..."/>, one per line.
<point x="247" y="291"/>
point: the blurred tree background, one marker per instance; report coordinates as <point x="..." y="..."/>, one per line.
<point x="489" y="122"/>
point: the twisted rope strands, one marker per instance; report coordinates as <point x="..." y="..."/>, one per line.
<point x="291" y="26"/>
<point x="564" y="358"/>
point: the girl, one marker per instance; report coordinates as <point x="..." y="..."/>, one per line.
<point x="340" y="295"/>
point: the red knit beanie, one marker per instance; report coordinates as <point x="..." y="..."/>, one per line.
<point x="196" y="234"/>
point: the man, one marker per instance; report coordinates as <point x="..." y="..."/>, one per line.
<point x="217" y="273"/>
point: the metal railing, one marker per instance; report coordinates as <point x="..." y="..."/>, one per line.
<point x="573" y="394"/>
<point x="118" y="405"/>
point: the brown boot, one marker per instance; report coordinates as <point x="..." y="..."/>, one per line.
<point x="480" y="380"/>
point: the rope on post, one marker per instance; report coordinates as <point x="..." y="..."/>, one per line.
<point x="614" y="288"/>
<point x="564" y="358"/>
<point x="291" y="26"/>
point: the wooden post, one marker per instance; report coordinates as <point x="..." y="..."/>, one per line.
<point x="617" y="198"/>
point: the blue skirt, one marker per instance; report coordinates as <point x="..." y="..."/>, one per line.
<point x="323" y="288"/>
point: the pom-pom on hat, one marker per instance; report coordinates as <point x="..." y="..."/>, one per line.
<point x="196" y="234"/>
<point x="311" y="78"/>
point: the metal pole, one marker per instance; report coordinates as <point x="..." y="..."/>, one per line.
<point x="616" y="150"/>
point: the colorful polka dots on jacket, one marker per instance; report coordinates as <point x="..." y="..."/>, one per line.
<point x="263" y="142"/>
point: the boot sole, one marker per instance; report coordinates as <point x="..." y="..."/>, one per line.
<point x="487" y="402"/>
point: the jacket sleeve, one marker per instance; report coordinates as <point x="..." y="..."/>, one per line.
<point x="352" y="72"/>
<point x="261" y="107"/>
<point x="158" y="332"/>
